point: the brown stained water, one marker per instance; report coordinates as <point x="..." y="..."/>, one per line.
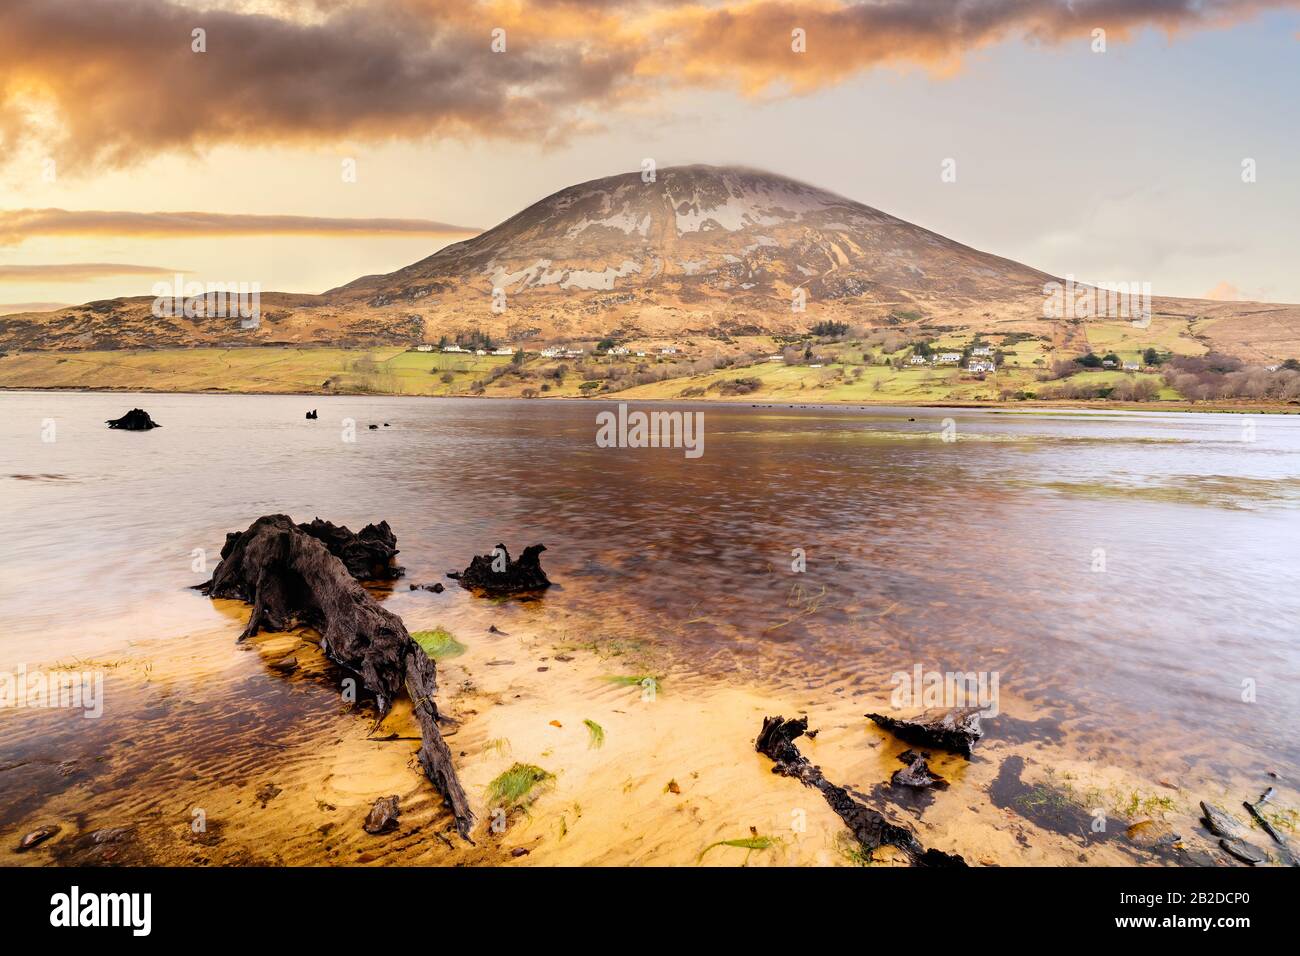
<point x="1121" y="687"/>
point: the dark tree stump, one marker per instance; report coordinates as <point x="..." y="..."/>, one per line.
<point x="368" y="555"/>
<point x="871" y="827"/>
<point x="495" y="574"/>
<point x="136" y="420"/>
<point x="955" y="728"/>
<point x="291" y="578"/>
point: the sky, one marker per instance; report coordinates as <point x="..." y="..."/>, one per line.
<point x="311" y="143"/>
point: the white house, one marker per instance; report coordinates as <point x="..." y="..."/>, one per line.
<point x="948" y="358"/>
<point x="504" y="350"/>
<point x="668" y="351"/>
<point x="1132" y="366"/>
<point x="454" y="348"/>
<point x="918" y="359"/>
<point x="640" y="355"/>
<point x="553" y="352"/>
<point x="982" y="350"/>
<point x="981" y="366"/>
<point x="1107" y="363"/>
<point x="775" y="358"/>
<point x="424" y="348"/>
<point x="617" y="350"/>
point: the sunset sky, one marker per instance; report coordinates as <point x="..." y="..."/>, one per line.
<point x="1122" y="165"/>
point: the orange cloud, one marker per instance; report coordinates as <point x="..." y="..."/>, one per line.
<point x="79" y="271"/>
<point x="1225" y="292"/>
<point x="115" y="81"/>
<point x="17" y="225"/>
<point x="14" y="308"/>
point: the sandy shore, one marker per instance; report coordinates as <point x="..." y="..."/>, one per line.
<point x="280" y="770"/>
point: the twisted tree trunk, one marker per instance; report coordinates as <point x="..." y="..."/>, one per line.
<point x="291" y="578"/>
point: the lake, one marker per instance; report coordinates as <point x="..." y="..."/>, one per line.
<point x="1131" y="578"/>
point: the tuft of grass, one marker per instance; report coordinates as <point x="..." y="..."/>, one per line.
<point x="511" y="789"/>
<point x="439" y="643"/>
<point x="596" y="732"/>
<point x="750" y="843"/>
<point x="646" y="681"/>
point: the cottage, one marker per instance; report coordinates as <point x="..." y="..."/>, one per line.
<point x="1107" y="363"/>
<point x="617" y="350"/>
<point x="918" y="359"/>
<point x="1131" y="366"/>
<point x="775" y="358"/>
<point x="503" y="351"/>
<point x="424" y="348"/>
<point x="668" y="351"/>
<point x="454" y="348"/>
<point x="982" y="350"/>
<point x="948" y="358"/>
<point x="552" y="352"/>
<point x="980" y="366"/>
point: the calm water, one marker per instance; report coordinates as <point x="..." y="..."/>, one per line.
<point x="981" y="554"/>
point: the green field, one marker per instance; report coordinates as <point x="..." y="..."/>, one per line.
<point x="838" y="372"/>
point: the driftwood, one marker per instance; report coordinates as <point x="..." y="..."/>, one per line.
<point x="916" y="773"/>
<point x="136" y="420"/>
<point x="368" y="554"/>
<point x="496" y="574"/>
<point x="871" y="828"/>
<point x="291" y="578"/>
<point x="956" y="728"/>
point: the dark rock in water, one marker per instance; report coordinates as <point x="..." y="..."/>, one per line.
<point x="374" y="427"/>
<point x="136" y="420"/>
<point x="1220" y="822"/>
<point x="382" y="817"/>
<point x="1243" y="851"/>
<point x="917" y="773"/>
<point x="312" y="414"/>
<point x="37" y="837"/>
<point x="436" y="587"/>
<point x="871" y="827"/>
<point x="495" y="574"/>
<point x="956" y="729"/>
<point x="291" y="578"/>
<point x="368" y="555"/>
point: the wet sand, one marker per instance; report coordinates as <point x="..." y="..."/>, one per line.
<point x="284" y="771"/>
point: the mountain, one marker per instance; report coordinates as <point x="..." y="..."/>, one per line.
<point x="700" y="250"/>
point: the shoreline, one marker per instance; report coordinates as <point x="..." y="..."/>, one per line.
<point x="671" y="780"/>
<point x="1101" y="405"/>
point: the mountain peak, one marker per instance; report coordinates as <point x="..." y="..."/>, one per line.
<point x="696" y="233"/>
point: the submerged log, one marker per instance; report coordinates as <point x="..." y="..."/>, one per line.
<point x="136" y="420"/>
<point x="916" y="773"/>
<point x="291" y="578"/>
<point x="368" y="554"/>
<point x="956" y="729"/>
<point x="495" y="574"/>
<point x="871" y="827"/>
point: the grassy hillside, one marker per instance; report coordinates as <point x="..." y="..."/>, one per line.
<point x="864" y="367"/>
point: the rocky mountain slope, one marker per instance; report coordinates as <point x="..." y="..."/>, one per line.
<point x="700" y="250"/>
